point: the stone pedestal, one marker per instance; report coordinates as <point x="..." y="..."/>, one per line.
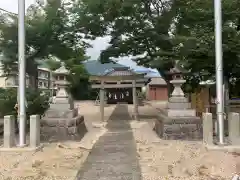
<point x="62" y="122"/>
<point x="178" y="120"/>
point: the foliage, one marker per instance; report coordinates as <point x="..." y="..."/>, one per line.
<point x="157" y="33"/>
<point x="49" y="32"/>
<point x="137" y="28"/>
<point x="52" y="64"/>
<point x="197" y="49"/>
<point x="8" y="99"/>
<point x="36" y="104"/>
<point x="81" y="90"/>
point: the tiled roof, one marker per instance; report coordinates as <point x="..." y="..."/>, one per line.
<point x="157" y="81"/>
<point x="97" y="68"/>
<point x="120" y="71"/>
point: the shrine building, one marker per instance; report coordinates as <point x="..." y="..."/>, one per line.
<point x="117" y="81"/>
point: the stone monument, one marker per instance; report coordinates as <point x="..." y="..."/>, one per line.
<point x="178" y="118"/>
<point x="178" y="104"/>
<point x="61" y="121"/>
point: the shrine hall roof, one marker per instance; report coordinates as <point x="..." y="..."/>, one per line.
<point x="97" y="68"/>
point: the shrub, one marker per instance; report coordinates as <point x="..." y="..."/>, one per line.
<point x="36" y="103"/>
<point x="8" y="99"/>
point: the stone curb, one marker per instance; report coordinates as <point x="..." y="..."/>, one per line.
<point x="20" y="149"/>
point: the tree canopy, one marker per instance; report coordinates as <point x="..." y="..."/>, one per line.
<point x="159" y="32"/>
<point x="48" y="33"/>
<point x="155" y="32"/>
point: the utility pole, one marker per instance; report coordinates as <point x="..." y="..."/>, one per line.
<point x="22" y="73"/>
<point x="219" y="68"/>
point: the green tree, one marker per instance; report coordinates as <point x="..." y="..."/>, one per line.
<point x="195" y="32"/>
<point x="52" y="63"/>
<point x="157" y="33"/>
<point x="137" y="28"/>
<point x="48" y="33"/>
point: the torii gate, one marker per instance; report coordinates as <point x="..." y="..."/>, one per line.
<point x="118" y="75"/>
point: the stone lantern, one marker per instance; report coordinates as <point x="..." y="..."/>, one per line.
<point x="178" y="104"/>
<point x="62" y="96"/>
<point x="177" y="81"/>
<point x="61" y="120"/>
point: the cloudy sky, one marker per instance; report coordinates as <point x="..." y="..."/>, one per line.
<point x="98" y="45"/>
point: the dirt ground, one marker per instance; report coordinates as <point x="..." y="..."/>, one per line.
<point x="57" y="161"/>
<point x="158" y="159"/>
<point x="184" y="160"/>
<point x="180" y="160"/>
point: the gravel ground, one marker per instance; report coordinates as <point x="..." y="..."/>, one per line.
<point x="180" y="160"/>
<point x="158" y="159"/>
<point x="56" y="161"/>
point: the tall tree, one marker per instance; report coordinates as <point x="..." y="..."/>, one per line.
<point x="48" y="32"/>
<point x="138" y="28"/>
<point x="159" y="32"/>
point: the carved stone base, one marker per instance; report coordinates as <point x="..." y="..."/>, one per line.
<point x="187" y="128"/>
<point x="53" y="113"/>
<point x="59" y="129"/>
<point x="178" y="106"/>
<point x="181" y="105"/>
<point x="181" y="112"/>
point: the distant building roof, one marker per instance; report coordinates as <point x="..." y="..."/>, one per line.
<point x="97" y="68"/>
<point x="150" y="72"/>
<point x="121" y="71"/>
<point x="157" y="81"/>
<point x="153" y="74"/>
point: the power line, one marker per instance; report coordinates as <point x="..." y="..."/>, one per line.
<point x="1" y="9"/>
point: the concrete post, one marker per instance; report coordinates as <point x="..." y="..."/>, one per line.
<point x="102" y="101"/>
<point x="207" y="128"/>
<point x="35" y="131"/>
<point x="135" y="100"/>
<point x="234" y="128"/>
<point x="9" y="132"/>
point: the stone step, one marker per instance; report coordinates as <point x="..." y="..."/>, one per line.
<point x="176" y="99"/>
<point x="181" y="105"/>
<point x="181" y="112"/>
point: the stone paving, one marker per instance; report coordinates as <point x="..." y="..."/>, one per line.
<point x="114" y="156"/>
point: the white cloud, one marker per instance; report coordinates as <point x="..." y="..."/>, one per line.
<point x="98" y="45"/>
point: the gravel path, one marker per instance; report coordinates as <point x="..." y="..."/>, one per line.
<point x="114" y="156"/>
